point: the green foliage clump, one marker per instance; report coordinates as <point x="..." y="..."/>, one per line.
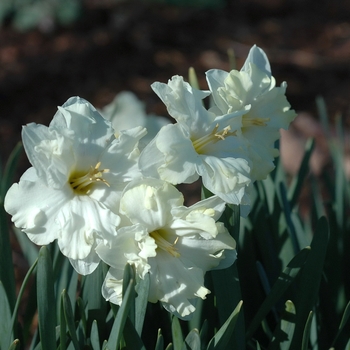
<point x="289" y="288"/>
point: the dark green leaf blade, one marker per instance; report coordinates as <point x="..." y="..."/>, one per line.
<point x="192" y="341"/>
<point x="68" y="313"/>
<point x="5" y="319"/>
<point x="309" y="282"/>
<point x="222" y="337"/>
<point x="176" y="333"/>
<point x="46" y="300"/>
<point x="278" y="289"/>
<point x="119" y="322"/>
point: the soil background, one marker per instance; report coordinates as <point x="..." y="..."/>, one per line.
<point x="116" y="46"/>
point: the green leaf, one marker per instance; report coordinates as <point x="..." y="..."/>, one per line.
<point x="119" y="322"/>
<point x="192" y="78"/>
<point x="309" y="280"/>
<point x="176" y="333"/>
<point x="278" y="289"/>
<point x="96" y="307"/>
<point x="66" y="278"/>
<point x="229" y="296"/>
<point x="7" y="275"/>
<point x="46" y="300"/>
<point x="160" y="341"/>
<point x="298" y="180"/>
<point x="94" y="336"/>
<point x="306" y="333"/>
<point x="20" y="294"/>
<point x="132" y="339"/>
<point x="5" y="319"/>
<point x="283" y="334"/>
<point x="196" y="320"/>
<point x="81" y="309"/>
<point x="192" y="341"/>
<point x="343" y="330"/>
<point x="204" y="333"/>
<point x="68" y="313"/>
<point x="142" y="290"/>
<point x="222" y="338"/>
<point x="130" y="275"/>
<point x="16" y="345"/>
<point x="227" y="290"/>
<point x="63" y="325"/>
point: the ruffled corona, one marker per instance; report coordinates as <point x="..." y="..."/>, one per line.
<point x="268" y="109"/>
<point x="176" y="245"/>
<point x="199" y="144"/>
<point x="72" y="192"/>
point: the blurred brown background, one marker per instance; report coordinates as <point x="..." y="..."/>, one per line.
<point x="112" y="46"/>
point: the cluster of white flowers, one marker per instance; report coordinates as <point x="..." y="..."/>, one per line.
<point x="105" y="192"/>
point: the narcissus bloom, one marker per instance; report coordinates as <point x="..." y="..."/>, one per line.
<point x="126" y="111"/>
<point x="79" y="172"/>
<point x="253" y="88"/>
<point x="199" y="144"/>
<point x="174" y="243"/>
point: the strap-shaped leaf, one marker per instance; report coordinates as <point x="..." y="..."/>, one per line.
<point x="344" y="329"/>
<point x="94" y="336"/>
<point x="122" y="314"/>
<point x="46" y="300"/>
<point x="69" y="316"/>
<point x="204" y="332"/>
<point x="142" y="290"/>
<point x="283" y="334"/>
<point x="176" y="333"/>
<point x="160" y="341"/>
<point x="222" y="338"/>
<point x="66" y="278"/>
<point x="306" y="333"/>
<point x="226" y="282"/>
<point x="7" y="275"/>
<point x="278" y="289"/>
<point x="5" y="319"/>
<point x="192" y="341"/>
<point x="96" y="307"/>
<point x="81" y="309"/>
<point x="20" y="294"/>
<point x="309" y="282"/>
<point x="130" y="275"/>
<point x="192" y="78"/>
<point x="16" y="345"/>
<point x="63" y="325"/>
<point x="298" y="180"/>
<point x="132" y="339"/>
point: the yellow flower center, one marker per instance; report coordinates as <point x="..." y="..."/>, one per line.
<point x="213" y="137"/>
<point x="162" y="243"/>
<point x="81" y="184"/>
<point x="248" y="121"/>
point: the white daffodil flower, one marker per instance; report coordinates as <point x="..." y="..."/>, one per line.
<point x="199" y="144"/>
<point x="79" y="170"/>
<point x="126" y="111"/>
<point x="175" y="244"/>
<point x="268" y="109"/>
